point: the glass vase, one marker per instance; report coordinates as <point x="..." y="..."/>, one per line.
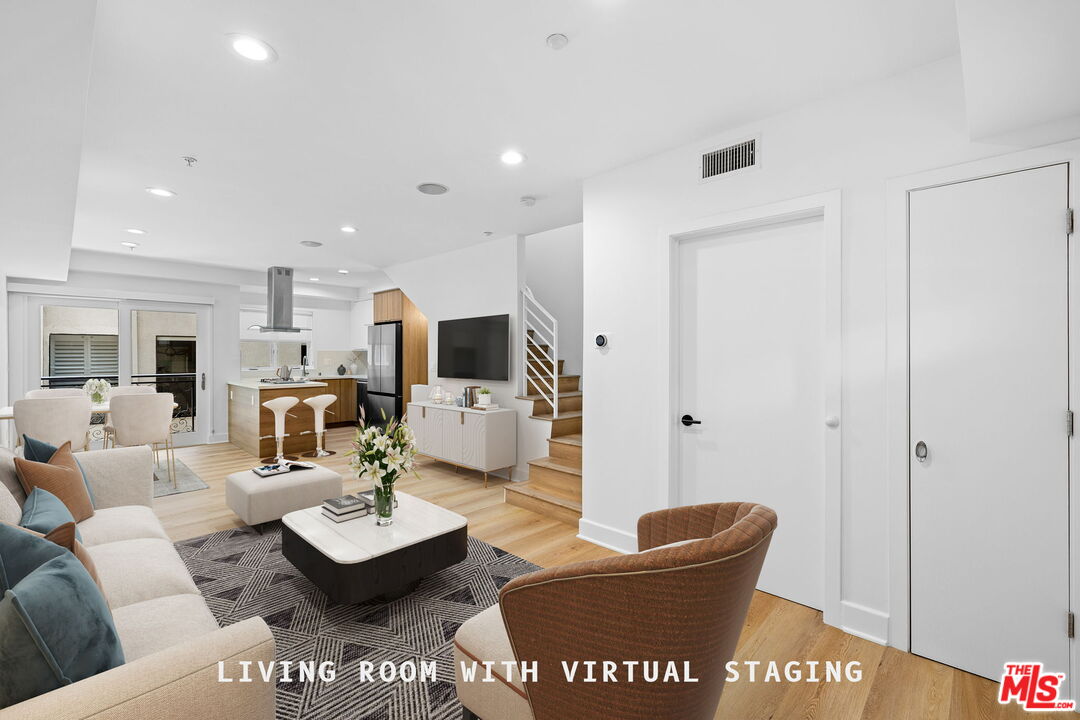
<point x="384" y="504"/>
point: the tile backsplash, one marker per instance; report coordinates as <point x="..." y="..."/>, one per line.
<point x="327" y="361"/>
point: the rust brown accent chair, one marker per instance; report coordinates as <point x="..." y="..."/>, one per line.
<point x="683" y="598"/>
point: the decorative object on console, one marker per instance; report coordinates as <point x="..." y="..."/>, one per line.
<point x="381" y="456"/>
<point x="436" y="394"/>
<point x="483" y="397"/>
<point x="341" y="369"/>
<point x="97" y="389"/>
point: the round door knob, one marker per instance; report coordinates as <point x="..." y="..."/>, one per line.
<point x="689" y="420"/>
<point x="832" y="421"/>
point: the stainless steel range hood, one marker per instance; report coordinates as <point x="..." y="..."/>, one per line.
<point x="279" y="301"/>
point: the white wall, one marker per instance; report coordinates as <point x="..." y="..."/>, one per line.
<point x="435" y="286"/>
<point x="853" y="142"/>
<point x="553" y="271"/>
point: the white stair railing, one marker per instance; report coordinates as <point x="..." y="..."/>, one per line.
<point x="536" y="364"/>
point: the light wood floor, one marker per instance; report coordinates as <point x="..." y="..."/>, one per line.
<point x="894" y="686"/>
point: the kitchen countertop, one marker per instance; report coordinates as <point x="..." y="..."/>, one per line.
<point x="338" y="377"/>
<point x="256" y="384"/>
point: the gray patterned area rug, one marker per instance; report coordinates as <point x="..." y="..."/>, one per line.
<point x="243" y="574"/>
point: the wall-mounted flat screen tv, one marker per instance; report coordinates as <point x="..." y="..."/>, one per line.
<point x="475" y="348"/>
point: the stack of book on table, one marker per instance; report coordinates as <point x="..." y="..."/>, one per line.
<point x="346" y="507"/>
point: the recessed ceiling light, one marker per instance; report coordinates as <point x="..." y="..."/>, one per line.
<point x="527" y="201"/>
<point x="311" y="243"/>
<point x="343" y="271"/>
<point x="557" y="41"/>
<point x="432" y="189"/>
<point x="348" y="229"/>
<point x="129" y="244"/>
<point x="136" y="231"/>
<point x="160" y="192"/>
<point x="512" y="157"/>
<point x="488" y="233"/>
<point x="251" y="48"/>
<point x="314" y="279"/>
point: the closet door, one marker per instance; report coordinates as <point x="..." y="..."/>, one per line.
<point x="989" y="455"/>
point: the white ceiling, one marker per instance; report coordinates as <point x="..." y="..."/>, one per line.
<point x="1020" y="69"/>
<point x="368" y="99"/>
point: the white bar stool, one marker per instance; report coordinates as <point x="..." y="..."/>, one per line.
<point x="318" y="404"/>
<point x="280" y="406"/>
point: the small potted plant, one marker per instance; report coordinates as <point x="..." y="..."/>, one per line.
<point x="483" y="396"/>
<point x="381" y="456"/>
<point x="97" y="389"/>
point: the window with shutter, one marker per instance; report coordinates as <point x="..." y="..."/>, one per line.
<point x="87" y="355"/>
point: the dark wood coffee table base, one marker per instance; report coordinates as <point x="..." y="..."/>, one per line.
<point x="390" y="576"/>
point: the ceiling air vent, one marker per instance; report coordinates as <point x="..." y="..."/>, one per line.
<point x="729" y="159"/>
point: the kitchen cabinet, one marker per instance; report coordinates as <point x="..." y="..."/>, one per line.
<point x="484" y="440"/>
<point x="389" y="306"/>
<point x="344" y="408"/>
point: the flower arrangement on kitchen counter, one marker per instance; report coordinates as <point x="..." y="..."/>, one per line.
<point x="382" y="455"/>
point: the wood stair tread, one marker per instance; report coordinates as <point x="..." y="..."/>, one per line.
<point x="525" y="488"/>
<point x="574" y="439"/>
<point x="572" y="393"/>
<point x="553" y="464"/>
<point x="565" y="415"/>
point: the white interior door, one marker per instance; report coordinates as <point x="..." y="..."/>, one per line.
<point x="167" y="345"/>
<point x="752" y="370"/>
<point x="989" y="394"/>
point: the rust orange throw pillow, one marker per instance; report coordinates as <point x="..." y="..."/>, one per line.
<point x="62" y="477"/>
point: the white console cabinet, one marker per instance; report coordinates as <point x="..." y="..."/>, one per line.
<point x="484" y="440"/>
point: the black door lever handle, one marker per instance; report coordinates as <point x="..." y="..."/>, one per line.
<point x="689" y="420"/>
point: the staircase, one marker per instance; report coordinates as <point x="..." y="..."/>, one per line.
<point x="554" y="485"/>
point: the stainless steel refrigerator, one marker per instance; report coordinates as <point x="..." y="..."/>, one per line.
<point x="384" y="391"/>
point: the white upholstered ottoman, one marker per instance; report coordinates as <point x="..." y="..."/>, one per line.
<point x="262" y="499"/>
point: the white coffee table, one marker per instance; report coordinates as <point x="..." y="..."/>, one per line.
<point x="357" y="560"/>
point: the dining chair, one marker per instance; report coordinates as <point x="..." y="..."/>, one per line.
<point x="55" y="393"/>
<point x="55" y="420"/>
<point x="131" y="390"/>
<point x="143" y="419"/>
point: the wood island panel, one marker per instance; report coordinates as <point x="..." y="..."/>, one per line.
<point x="251" y="426"/>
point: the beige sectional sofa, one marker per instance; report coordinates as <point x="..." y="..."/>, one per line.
<point x="172" y="643"/>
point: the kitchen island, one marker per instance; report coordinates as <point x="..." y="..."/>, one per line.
<point x="251" y="426"/>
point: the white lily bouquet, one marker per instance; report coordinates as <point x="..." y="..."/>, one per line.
<point x="97" y="389"/>
<point x="382" y="455"/>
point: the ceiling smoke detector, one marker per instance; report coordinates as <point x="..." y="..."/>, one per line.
<point x="527" y="201"/>
<point x="190" y="160"/>
<point x="557" y="41"/>
<point x="432" y="189"/>
<point x="311" y="243"/>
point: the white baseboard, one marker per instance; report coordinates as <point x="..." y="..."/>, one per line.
<point x="864" y="622"/>
<point x="606" y="536"/>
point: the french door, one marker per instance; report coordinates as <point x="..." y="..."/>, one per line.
<point x="126" y="342"/>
